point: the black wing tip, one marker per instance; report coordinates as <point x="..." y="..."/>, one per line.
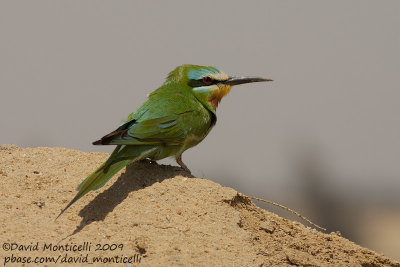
<point x="98" y="142"/>
<point x="118" y="133"/>
<point x="105" y="140"/>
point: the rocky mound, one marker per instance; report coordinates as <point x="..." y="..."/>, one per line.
<point x="147" y="215"/>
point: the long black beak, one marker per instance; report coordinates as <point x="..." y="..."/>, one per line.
<point x="240" y="80"/>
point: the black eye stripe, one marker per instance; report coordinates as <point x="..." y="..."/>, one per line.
<point x="200" y="82"/>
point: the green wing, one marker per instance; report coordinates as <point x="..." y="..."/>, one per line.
<point x="169" y="120"/>
<point x="151" y="131"/>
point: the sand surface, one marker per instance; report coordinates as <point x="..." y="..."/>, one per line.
<point x="149" y="213"/>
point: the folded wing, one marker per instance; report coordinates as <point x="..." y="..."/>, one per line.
<point x="163" y="130"/>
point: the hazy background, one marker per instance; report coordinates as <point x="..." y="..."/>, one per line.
<point x="322" y="139"/>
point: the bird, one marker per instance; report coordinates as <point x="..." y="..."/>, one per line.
<point x="176" y="116"/>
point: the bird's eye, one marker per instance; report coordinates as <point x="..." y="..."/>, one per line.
<point x="207" y="80"/>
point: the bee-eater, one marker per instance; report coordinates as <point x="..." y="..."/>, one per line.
<point x="176" y="116"/>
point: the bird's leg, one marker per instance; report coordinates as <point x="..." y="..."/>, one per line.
<point x="180" y="162"/>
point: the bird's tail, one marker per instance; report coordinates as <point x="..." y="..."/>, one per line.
<point x="120" y="157"/>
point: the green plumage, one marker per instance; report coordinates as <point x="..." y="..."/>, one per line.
<point x="175" y="117"/>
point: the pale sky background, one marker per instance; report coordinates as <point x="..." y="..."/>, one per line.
<point x="325" y="131"/>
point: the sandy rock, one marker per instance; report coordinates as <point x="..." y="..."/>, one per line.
<point x="147" y="215"/>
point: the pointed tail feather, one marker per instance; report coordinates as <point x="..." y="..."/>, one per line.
<point x="96" y="180"/>
<point x="120" y="157"/>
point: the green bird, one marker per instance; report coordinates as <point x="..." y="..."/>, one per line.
<point x="176" y="116"/>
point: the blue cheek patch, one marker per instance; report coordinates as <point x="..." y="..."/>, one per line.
<point x="204" y="89"/>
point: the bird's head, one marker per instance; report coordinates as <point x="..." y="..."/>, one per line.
<point x="208" y="84"/>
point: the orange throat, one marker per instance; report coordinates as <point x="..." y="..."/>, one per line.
<point x="217" y="96"/>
